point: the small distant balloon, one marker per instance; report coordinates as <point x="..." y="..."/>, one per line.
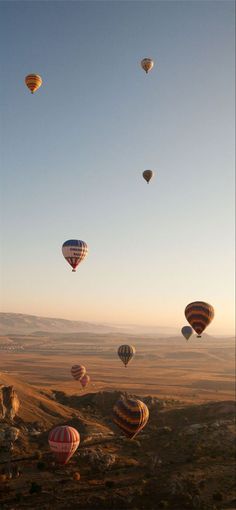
<point x="147" y="64"/>
<point x="126" y="353"/>
<point x="63" y="441"/>
<point x="147" y="175"/>
<point x="130" y="415"/>
<point x="85" y="380"/>
<point x="33" y="82"/>
<point x="186" y="332"/>
<point x="74" y="252"/>
<point x="199" y="315"/>
<point x="78" y="371"/>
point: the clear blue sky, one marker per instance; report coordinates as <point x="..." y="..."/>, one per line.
<point x="73" y="155"/>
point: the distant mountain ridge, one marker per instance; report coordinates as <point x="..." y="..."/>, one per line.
<point x="18" y="323"/>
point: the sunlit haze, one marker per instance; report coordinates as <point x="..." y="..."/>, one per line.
<point x="74" y="152"/>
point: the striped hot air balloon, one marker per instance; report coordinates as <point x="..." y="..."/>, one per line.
<point x="74" y="252"/>
<point x="33" y="82"/>
<point x="199" y="315"/>
<point x="147" y="175"/>
<point x="63" y="442"/>
<point x="186" y="332"/>
<point x="126" y="353"/>
<point x="85" y="380"/>
<point x="78" y="371"/>
<point x="147" y="64"/>
<point x="130" y="415"/>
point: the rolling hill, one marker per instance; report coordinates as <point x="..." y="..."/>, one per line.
<point x="17" y="323"/>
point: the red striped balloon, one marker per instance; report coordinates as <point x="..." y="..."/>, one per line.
<point x="63" y="442"/>
<point x="78" y="371"/>
<point x="199" y="315"/>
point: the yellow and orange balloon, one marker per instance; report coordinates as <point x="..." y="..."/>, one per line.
<point x="33" y="82"/>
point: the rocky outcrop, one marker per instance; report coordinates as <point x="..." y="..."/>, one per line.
<point x="9" y="403"/>
<point x="98" y="460"/>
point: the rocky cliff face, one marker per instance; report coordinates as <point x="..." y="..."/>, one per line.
<point x="9" y="403"/>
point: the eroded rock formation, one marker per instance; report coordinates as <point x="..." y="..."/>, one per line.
<point x="9" y="403"/>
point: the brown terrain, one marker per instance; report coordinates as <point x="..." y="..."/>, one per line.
<point x="183" y="458"/>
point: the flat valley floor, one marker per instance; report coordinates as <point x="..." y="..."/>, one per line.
<point x="200" y="370"/>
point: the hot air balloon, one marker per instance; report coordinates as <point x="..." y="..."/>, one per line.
<point x="85" y="380"/>
<point x="131" y="416"/>
<point x="63" y="441"/>
<point x="147" y="64"/>
<point x="199" y="315"/>
<point x="186" y="332"/>
<point x="126" y="353"/>
<point x="78" y="371"/>
<point x="33" y="82"/>
<point x="147" y="175"/>
<point x="74" y="252"/>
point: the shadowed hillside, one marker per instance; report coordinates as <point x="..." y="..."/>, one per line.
<point x="183" y="459"/>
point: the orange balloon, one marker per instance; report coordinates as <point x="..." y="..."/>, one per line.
<point x="33" y="82"/>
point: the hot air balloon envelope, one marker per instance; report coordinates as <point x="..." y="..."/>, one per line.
<point x="186" y="332"/>
<point x="126" y="353"/>
<point x="147" y="64"/>
<point x="74" y="252"/>
<point x="130" y="415"/>
<point x="199" y="315"/>
<point x="85" y="380"/>
<point x="147" y="175"/>
<point x="63" y="442"/>
<point x="33" y="82"/>
<point x="78" y="371"/>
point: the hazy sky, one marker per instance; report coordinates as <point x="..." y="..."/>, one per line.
<point x="73" y="156"/>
